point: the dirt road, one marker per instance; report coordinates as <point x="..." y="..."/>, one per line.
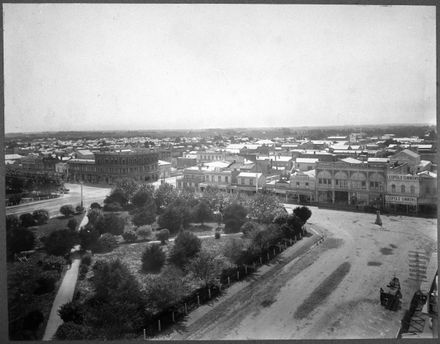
<point x="330" y="292"/>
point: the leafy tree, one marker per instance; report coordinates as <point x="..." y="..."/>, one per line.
<point x="107" y="243"/>
<point x="95" y="205"/>
<point x="206" y="266"/>
<point x="144" y="198"/>
<point x="202" y="212"/>
<point x="17" y="240"/>
<point x="153" y="259"/>
<point x="233" y="249"/>
<point x="129" y="236"/>
<point x="234" y="217"/>
<point x="118" y="196"/>
<point x="40" y="216"/>
<point x="46" y="282"/>
<point x="248" y="227"/>
<point x="265" y="207"/>
<point x="27" y="220"/>
<point x="163" y="235"/>
<point x="72" y="224"/>
<point x="110" y="223"/>
<point x="164" y="196"/>
<point x="186" y="246"/>
<point x="67" y="210"/>
<point x="128" y="186"/>
<point x="12" y="222"/>
<point x="174" y="218"/>
<point x="165" y="290"/>
<point x="71" y="311"/>
<point x="72" y="331"/>
<point x="61" y="241"/>
<point x="94" y="215"/>
<point x="113" y="206"/>
<point x="281" y="219"/>
<point x="89" y="237"/>
<point x="304" y="213"/>
<point x="145" y="216"/>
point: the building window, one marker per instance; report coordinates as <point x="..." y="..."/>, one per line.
<point x="226" y="179"/>
<point x="413" y="189"/>
<point x="251" y="181"/>
<point x="402" y="188"/>
<point x="307" y="184"/>
<point x="393" y="188"/>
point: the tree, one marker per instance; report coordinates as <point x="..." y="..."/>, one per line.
<point x="206" y="266"/>
<point x="248" y="227"/>
<point x="129" y="187"/>
<point x="144" y="198"/>
<point x="186" y="246"/>
<point x="116" y="196"/>
<point x="113" y="206"/>
<point x="46" y="282"/>
<point x="94" y="215"/>
<point x="89" y="237"/>
<point x="129" y="236"/>
<point x="202" y="212"/>
<point x="174" y="218"/>
<point x="234" y="217"/>
<point x="12" y="222"/>
<point x="265" y="207"/>
<point x="40" y="216"/>
<point x="163" y="235"/>
<point x="110" y="223"/>
<point x="144" y="216"/>
<point x="19" y="239"/>
<point x="233" y="249"/>
<point x="144" y="231"/>
<point x="67" y="210"/>
<point x="304" y="213"/>
<point x="27" y="220"/>
<point x="72" y="224"/>
<point x="164" y="196"/>
<point x="80" y="209"/>
<point x="107" y="243"/>
<point x="95" y="205"/>
<point x="61" y="241"/>
<point x="153" y="259"/>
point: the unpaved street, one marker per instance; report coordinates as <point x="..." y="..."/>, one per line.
<point x="330" y="292"/>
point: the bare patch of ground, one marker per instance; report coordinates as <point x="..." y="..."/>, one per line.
<point x="323" y="291"/>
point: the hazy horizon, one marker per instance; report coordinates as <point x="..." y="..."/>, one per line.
<point x="107" y="67"/>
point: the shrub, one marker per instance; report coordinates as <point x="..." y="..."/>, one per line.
<point x="153" y="259"/>
<point x="80" y="209"/>
<point x="217" y="235"/>
<point x="40" y="216"/>
<point x="116" y="196"/>
<point x="27" y="220"/>
<point x="113" y="206"/>
<point x="280" y="219"/>
<point x="107" y="243"/>
<point x="89" y="236"/>
<point x="175" y="217"/>
<point x="67" y="210"/>
<point x="12" y="222"/>
<point x="83" y="269"/>
<point x="20" y="239"/>
<point x="186" y="246"/>
<point x="144" y="232"/>
<point x="61" y="242"/>
<point x="110" y="223"/>
<point x="33" y="320"/>
<point x="303" y="213"/>
<point x="233" y="249"/>
<point x="163" y="235"/>
<point x="86" y="259"/>
<point x="71" y="311"/>
<point x="95" y="205"/>
<point x="234" y="217"/>
<point x="202" y="212"/>
<point x="144" y="216"/>
<point x="72" y="331"/>
<point x="72" y="224"/>
<point x="206" y="266"/>
<point x="46" y="282"/>
<point x="143" y="198"/>
<point x="53" y="263"/>
<point x="248" y="227"/>
<point x="94" y="215"/>
<point x="129" y="236"/>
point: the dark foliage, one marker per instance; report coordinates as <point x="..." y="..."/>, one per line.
<point x="107" y="243"/>
<point x="129" y="236"/>
<point x="72" y="224"/>
<point x="163" y="235"/>
<point x="71" y="311"/>
<point x="19" y="239"/>
<point x="304" y="213"/>
<point x="67" y="210"/>
<point x="27" y="220"/>
<point x="61" y="242"/>
<point x="40" y="216"/>
<point x="186" y="246"/>
<point x="144" y="216"/>
<point x="153" y="259"/>
<point x="234" y="217"/>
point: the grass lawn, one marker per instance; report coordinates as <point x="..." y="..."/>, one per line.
<point x="55" y="223"/>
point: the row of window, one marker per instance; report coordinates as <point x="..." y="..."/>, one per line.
<point x="213" y="178"/>
<point x="123" y="161"/>
<point x="412" y="189"/>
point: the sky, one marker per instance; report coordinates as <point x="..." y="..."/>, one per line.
<point x="192" y="66"/>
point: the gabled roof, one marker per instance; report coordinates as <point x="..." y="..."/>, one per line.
<point x="408" y="152"/>
<point x="351" y="161"/>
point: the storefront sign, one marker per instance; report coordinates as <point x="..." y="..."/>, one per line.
<point x="401" y="200"/>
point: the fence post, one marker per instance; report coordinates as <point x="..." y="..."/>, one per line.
<point x="158" y="325"/>
<point x="268" y="257"/>
<point x="198" y="299"/>
<point x="290" y="241"/>
<point x="238" y="275"/>
<point x="245" y="269"/>
<point x="172" y="317"/>
<point x="274" y="252"/>
<point x="186" y="309"/>
<point x="145" y="334"/>
<point x="229" y="281"/>
<point x="209" y="292"/>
